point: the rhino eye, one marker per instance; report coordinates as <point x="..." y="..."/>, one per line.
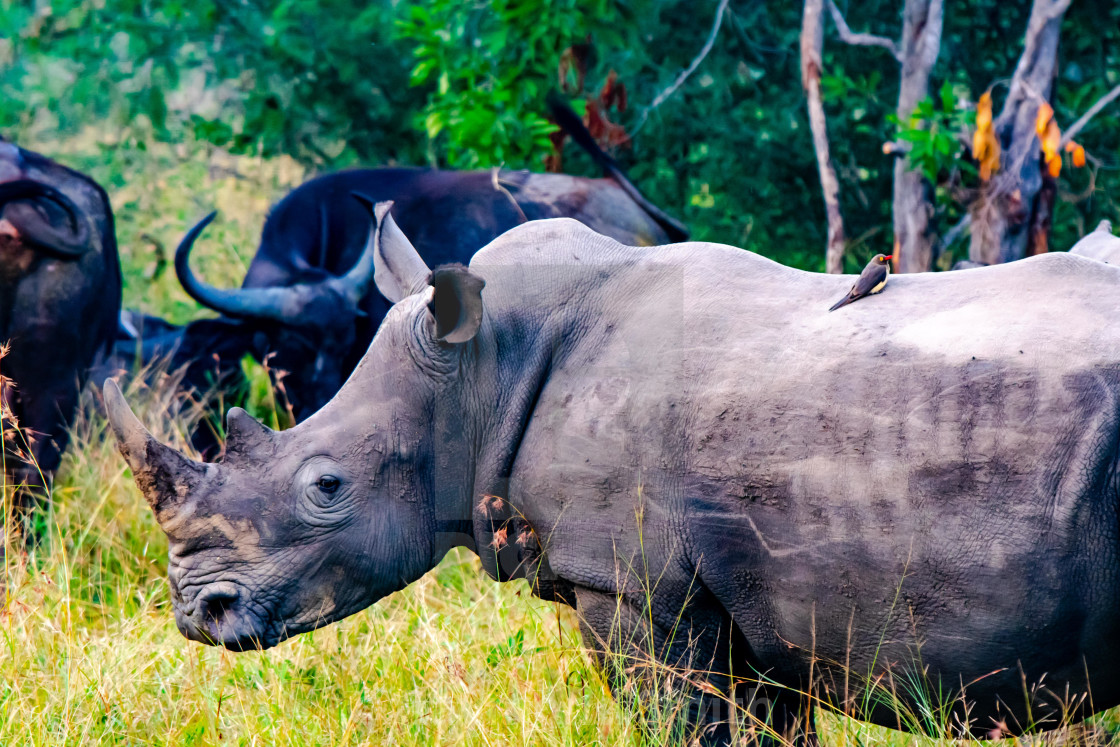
<point x="328" y="484"/>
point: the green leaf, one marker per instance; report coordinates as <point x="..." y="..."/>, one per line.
<point x="422" y="71"/>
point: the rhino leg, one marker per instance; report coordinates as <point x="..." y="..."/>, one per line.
<point x="658" y="671"/>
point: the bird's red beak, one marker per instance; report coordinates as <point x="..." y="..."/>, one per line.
<point x="889" y="257"/>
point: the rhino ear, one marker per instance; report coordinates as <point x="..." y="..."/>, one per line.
<point x="398" y="269"/>
<point x="456" y="303"/>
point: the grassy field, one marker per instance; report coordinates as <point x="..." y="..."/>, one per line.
<point x="90" y="653"/>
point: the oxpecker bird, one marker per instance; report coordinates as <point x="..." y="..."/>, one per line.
<point x="872" y="280"/>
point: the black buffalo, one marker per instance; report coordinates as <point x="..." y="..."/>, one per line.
<point x="316" y="329"/>
<point x="60" y="295"/>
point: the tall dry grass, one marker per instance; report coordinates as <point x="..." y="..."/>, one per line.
<point x="90" y="653"/>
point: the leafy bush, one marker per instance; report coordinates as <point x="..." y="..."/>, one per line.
<point x="934" y="132"/>
<point x="488" y="68"/>
<point x="314" y="80"/>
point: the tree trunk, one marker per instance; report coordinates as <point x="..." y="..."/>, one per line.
<point x="914" y="234"/>
<point x="812" y="42"/>
<point x="1011" y="214"/>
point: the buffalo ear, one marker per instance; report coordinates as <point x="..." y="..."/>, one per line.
<point x="456" y="303"/>
<point x="398" y="269"/>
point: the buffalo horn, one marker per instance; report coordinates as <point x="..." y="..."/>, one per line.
<point x="36" y="230"/>
<point x="282" y="304"/>
<point x="279" y="303"/>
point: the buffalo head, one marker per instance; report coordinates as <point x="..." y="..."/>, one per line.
<point x="36" y="212"/>
<point x="60" y="295"/>
<point x="311" y="324"/>
<point x="295" y="529"/>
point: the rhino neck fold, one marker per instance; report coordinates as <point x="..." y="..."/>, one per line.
<point x="502" y="538"/>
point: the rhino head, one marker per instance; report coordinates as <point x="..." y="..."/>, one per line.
<point x="296" y="529"/>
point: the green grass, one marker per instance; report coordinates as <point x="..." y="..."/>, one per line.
<point x="89" y="653"/>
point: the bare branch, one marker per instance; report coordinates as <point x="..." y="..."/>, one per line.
<point x="812" y="43"/>
<point x="665" y="94"/>
<point x="1011" y="215"/>
<point x="496" y="181"/>
<point x="1034" y="71"/>
<point x="861" y="40"/>
<point x="1093" y="111"/>
<point x="955" y="232"/>
<point x="912" y="207"/>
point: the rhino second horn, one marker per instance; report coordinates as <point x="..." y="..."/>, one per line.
<point x="163" y="474"/>
<point x="244" y="432"/>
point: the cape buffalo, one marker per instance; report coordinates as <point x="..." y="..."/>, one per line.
<point x="913" y="505"/>
<point x="60" y="293"/>
<point x="317" y="233"/>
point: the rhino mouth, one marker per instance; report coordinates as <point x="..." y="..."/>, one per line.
<point x="222" y="615"/>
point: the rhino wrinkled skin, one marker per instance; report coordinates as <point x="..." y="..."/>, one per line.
<point x="683" y="444"/>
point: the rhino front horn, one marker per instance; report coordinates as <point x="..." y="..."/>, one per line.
<point x="163" y="474"/>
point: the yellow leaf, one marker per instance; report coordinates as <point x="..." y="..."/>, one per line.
<point x="1051" y="140"/>
<point x="1054" y="166"/>
<point x="984" y="111"/>
<point x="985" y="146"/>
<point x="1078" y="156"/>
<point x="1045" y="116"/>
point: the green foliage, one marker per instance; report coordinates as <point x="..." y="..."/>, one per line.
<point x="487" y="68"/>
<point x="152" y="96"/>
<point x="462" y="84"/>
<point x="278" y="76"/>
<point x="935" y="131"/>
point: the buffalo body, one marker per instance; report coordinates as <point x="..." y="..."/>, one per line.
<point x="60" y="294"/>
<point x="315" y="332"/>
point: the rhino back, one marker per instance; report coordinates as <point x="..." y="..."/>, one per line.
<point x="936" y="462"/>
<point x="1100" y="245"/>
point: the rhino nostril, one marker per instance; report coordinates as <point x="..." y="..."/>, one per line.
<point x="214" y="604"/>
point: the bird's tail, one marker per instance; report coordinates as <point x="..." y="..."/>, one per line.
<point x="842" y="302"/>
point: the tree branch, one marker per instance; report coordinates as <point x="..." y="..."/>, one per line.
<point x="912" y="208"/>
<point x="1093" y="111"/>
<point x="665" y="94"/>
<point x="861" y="40"/>
<point x="955" y="232"/>
<point x="812" y="44"/>
<point x="1035" y="66"/>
